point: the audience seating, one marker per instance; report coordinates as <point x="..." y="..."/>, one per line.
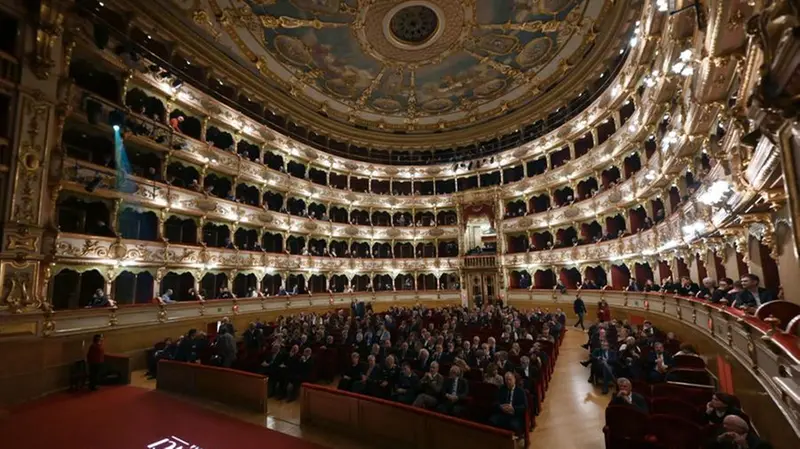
<point x="392" y="424"/>
<point x="688" y="361"/>
<point x="674" y="432"/>
<point x="228" y="386"/>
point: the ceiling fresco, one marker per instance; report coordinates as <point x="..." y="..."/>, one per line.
<point x="425" y="63"/>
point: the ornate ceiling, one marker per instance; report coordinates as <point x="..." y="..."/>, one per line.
<point x="417" y="66"/>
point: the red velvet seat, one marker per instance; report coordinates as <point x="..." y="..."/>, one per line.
<point x="784" y="311"/>
<point x="692" y="395"/>
<point x="675" y="407"/>
<point x="626" y="427"/>
<point x="696" y="376"/>
<point x="673" y="432"/>
<point x="688" y="361"/>
<point x="483" y="397"/>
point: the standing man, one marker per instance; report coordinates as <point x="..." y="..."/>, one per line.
<point x="95" y="358"/>
<point x="580" y="309"/>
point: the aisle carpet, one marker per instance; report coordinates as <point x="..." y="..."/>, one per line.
<point x="132" y="418"/>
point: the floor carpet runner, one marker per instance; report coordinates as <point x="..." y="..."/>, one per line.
<point x="132" y="418"/>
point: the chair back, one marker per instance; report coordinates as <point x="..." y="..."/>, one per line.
<point x="693" y="395"/>
<point x="673" y="432"/>
<point x="785" y="311"/>
<point x="625" y="423"/>
<point x="688" y="361"/>
<point x="696" y="376"/>
<point x="675" y="407"/>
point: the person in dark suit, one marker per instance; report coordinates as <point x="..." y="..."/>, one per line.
<point x="737" y="433"/>
<point x="430" y="388"/>
<point x="510" y="406"/>
<point x="186" y="347"/>
<point x="269" y="367"/>
<point x="300" y="369"/>
<point x="352" y="374"/>
<point x="284" y="370"/>
<point x="406" y="385"/>
<point x="720" y="406"/>
<point x="626" y="396"/>
<point x="404" y="354"/>
<point x="604" y="360"/>
<point x="454" y="393"/>
<point x="752" y="295"/>
<point x="579" y="307"/>
<point x="423" y="362"/>
<point x="659" y="361"/>
<point x="369" y="380"/>
<point x="687" y="287"/>
<point x="388" y="378"/>
<point x="721" y="292"/>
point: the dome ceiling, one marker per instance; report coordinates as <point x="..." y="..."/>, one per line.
<point x="411" y="65"/>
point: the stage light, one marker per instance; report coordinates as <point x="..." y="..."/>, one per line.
<point x="116" y="127"/>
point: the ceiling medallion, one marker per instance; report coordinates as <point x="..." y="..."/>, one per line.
<point x="413" y="24"/>
<point x="413" y="32"/>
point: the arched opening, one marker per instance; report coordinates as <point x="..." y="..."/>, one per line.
<point x="217" y="235"/>
<point x="248" y="150"/>
<point x="271" y="284"/>
<point x="402" y="219"/>
<point x="426" y="281"/>
<point x="610" y="177"/>
<point x="272" y="243"/>
<point x="184" y="176"/>
<point x="317" y="283"/>
<point x="539" y="203"/>
<point x="84" y="217"/>
<point x="620" y="276"/>
<point x="246" y="239"/>
<point x="72" y="290"/>
<point x="449" y="281"/>
<point x="566" y="237"/>
<point x="404" y="281"/>
<point x="587" y="188"/>
<point x="339" y="215"/>
<point x="245" y="285"/>
<point x="658" y="210"/>
<point x="382" y="282"/>
<point x="381" y="218"/>
<point x="382" y="250"/>
<point x="318" y="247"/>
<point x="338" y="248"/>
<point x="219" y="186"/>
<point x="360" y="250"/>
<point x="138" y="225"/>
<point x="592" y="232"/>
<point x="517" y="243"/>
<point x="446" y="218"/>
<point x="338" y="283"/>
<point x="570" y="277"/>
<point x="544" y="279"/>
<point x="247" y="194"/>
<point x="519" y="279"/>
<point x="144" y="104"/>
<point x="318" y="176"/>
<point x="403" y="250"/>
<point x="273" y="201"/>
<point x="273" y="161"/>
<point x="615" y="227"/>
<point x="296" y="207"/>
<point x="639" y="219"/>
<point x="296" y="169"/>
<point x="594" y="277"/>
<point x="448" y="248"/>
<point x="515" y="208"/>
<point x="295" y="244"/>
<point x="564" y="196"/>
<point x="632" y="164"/>
<point x="542" y="240"/>
<point x="179" y="230"/>
<point x="360" y="282"/>
<point x="360" y="217"/>
<point x="190" y="126"/>
<point x="426" y="249"/>
<point x="180" y="284"/>
<point x="317" y="211"/>
<point x="214" y="286"/>
<point x="221" y="139"/>
<point x="133" y="288"/>
<point x="425" y="219"/>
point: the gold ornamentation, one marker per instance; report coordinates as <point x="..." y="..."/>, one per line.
<point x="49" y="28"/>
<point x="48" y="323"/>
<point x="112" y="318"/>
<point x="162" y="313"/>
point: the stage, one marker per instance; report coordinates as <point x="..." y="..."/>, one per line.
<point x="133" y="418"/>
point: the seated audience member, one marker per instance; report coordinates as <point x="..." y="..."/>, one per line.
<point x="369" y="380"/>
<point x="424" y="361"/>
<point x="720" y="406"/>
<point x="603" y="362"/>
<point x="752" y="295"/>
<point x="186" y="351"/>
<point x="630" y="355"/>
<point x="660" y="361"/>
<point x="626" y="396"/>
<point x="353" y="374"/>
<point x="253" y="337"/>
<point x="388" y="378"/>
<point x="491" y="376"/>
<point x="404" y="354"/>
<point x="430" y="387"/>
<point x="687" y="349"/>
<point x="736" y="433"/>
<point x="99" y="299"/>
<point x="510" y="406"/>
<point x="406" y="385"/>
<point x="454" y="393"/>
<point x="299" y="372"/>
<point x="166" y="298"/>
<point x="165" y="350"/>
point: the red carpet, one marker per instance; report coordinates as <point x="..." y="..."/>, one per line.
<point x="132" y="418"/>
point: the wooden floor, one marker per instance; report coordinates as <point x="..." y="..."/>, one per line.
<point x="572" y="415"/>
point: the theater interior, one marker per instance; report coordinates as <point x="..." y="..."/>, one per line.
<point x="418" y="224"/>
